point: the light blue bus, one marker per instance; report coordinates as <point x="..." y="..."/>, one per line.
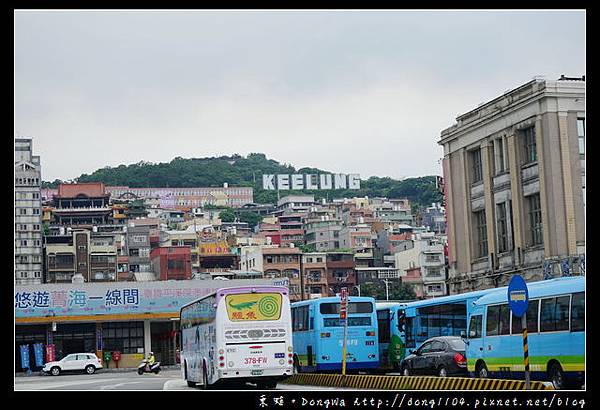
<point x="392" y="336"/>
<point x="555" y="327"/>
<point x="318" y="335"/>
<point x="443" y="316"/>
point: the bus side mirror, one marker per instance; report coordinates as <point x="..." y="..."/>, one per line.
<point x="463" y="334"/>
<point x="472" y="333"/>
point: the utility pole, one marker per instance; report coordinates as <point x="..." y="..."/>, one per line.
<point x="387" y="292"/>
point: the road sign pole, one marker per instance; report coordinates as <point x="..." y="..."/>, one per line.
<point x="344" y="347"/>
<point x="518" y="302"/>
<point x="344" y="317"/>
<point x="525" y="351"/>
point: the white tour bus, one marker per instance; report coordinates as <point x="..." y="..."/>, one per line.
<point x="241" y="334"/>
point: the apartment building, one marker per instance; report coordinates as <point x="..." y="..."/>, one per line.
<point x="28" y="214"/>
<point x="322" y="231"/>
<point x="314" y="269"/>
<point x="82" y="205"/>
<point x="171" y="262"/>
<point x="92" y="255"/>
<point x="340" y="271"/>
<point x="514" y="172"/>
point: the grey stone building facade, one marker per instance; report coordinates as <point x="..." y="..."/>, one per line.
<point x="514" y="171"/>
<point x="28" y="214"/>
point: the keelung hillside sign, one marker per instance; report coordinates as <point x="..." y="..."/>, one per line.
<point x="284" y="182"/>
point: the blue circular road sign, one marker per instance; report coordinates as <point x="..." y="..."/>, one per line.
<point x="518" y="296"/>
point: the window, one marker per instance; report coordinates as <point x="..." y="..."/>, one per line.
<point x="532" y="319"/>
<point x="353" y="307"/>
<point x="502" y="227"/>
<point x="481" y="233"/>
<point x="535" y="220"/>
<point x="23" y="243"/>
<point x="36" y="211"/>
<point x="383" y="324"/>
<point x="438" y="346"/>
<point x="36" y="196"/>
<point x="22" y="259"/>
<point x="36" y="227"/>
<point x="581" y="135"/>
<point x="22" y="211"/>
<point x="497" y="320"/>
<point x="499" y="156"/>
<point x="300" y="318"/>
<point x="37" y="274"/>
<point x="475" y="327"/>
<point x="477" y="170"/>
<point x="578" y="312"/>
<point x="126" y="337"/>
<point x="529" y="145"/>
<point x="554" y="315"/>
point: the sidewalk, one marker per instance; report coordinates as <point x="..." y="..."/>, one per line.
<point x="100" y="371"/>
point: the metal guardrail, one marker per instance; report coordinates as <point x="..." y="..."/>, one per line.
<point x="411" y="382"/>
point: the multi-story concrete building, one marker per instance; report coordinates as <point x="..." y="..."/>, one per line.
<point x="514" y="172"/>
<point x="28" y="214"/>
<point x="138" y="248"/>
<point x="322" y="232"/>
<point x="314" y="268"/>
<point x="340" y="271"/>
<point x="427" y="254"/>
<point x="295" y="203"/>
<point x="292" y="231"/>
<point x="93" y="255"/>
<point x="171" y="262"/>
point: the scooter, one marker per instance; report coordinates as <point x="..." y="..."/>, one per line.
<point x="155" y="368"/>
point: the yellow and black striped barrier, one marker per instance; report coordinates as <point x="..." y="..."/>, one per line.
<point x="410" y="382"/>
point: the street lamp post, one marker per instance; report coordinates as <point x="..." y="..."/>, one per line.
<point x="387" y="292"/>
<point x="357" y="288"/>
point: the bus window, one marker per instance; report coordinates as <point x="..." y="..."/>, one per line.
<point x="578" y="312"/>
<point x="492" y="320"/>
<point x="410" y="338"/>
<point x="554" y="314"/>
<point x="383" y="323"/>
<point x="532" y="322"/>
<point x="475" y="327"/>
<point x="504" y="320"/>
<point x="353" y="307"/>
<point x="547" y="315"/>
<point x="562" y="312"/>
<point x="300" y="318"/>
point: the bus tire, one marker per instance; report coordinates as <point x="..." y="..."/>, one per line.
<point x="556" y="376"/>
<point x="481" y="370"/>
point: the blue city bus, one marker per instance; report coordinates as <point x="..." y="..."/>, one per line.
<point x="318" y="335"/>
<point x="555" y="327"/>
<point x="392" y="336"/>
<point x="443" y="316"/>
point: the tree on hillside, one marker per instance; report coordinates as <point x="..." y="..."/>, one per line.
<point x="227" y="215"/>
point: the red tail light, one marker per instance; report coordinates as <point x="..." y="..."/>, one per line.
<point x="460" y="359"/>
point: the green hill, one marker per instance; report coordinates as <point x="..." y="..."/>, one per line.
<point x="247" y="171"/>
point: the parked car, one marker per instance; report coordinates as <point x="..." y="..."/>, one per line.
<point x="442" y="356"/>
<point x="75" y="362"/>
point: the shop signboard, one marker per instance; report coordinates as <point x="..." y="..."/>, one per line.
<point x="97" y="299"/>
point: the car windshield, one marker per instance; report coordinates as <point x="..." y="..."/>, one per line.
<point x="457" y="344"/>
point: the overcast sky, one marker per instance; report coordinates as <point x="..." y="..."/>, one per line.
<point x="363" y="92"/>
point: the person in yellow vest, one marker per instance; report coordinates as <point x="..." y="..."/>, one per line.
<point x="150" y="361"/>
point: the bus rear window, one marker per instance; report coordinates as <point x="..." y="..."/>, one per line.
<point x="253" y="306"/>
<point x="353" y="307"/>
<point x="352" y="321"/>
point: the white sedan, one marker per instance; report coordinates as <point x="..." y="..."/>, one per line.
<point x="87" y="362"/>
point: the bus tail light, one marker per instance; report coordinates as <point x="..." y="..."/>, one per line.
<point x="221" y="364"/>
<point x="326" y="334"/>
<point x="290" y="361"/>
<point x="370" y="333"/>
<point x="290" y="355"/>
<point x="460" y="360"/>
<point x="221" y="358"/>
